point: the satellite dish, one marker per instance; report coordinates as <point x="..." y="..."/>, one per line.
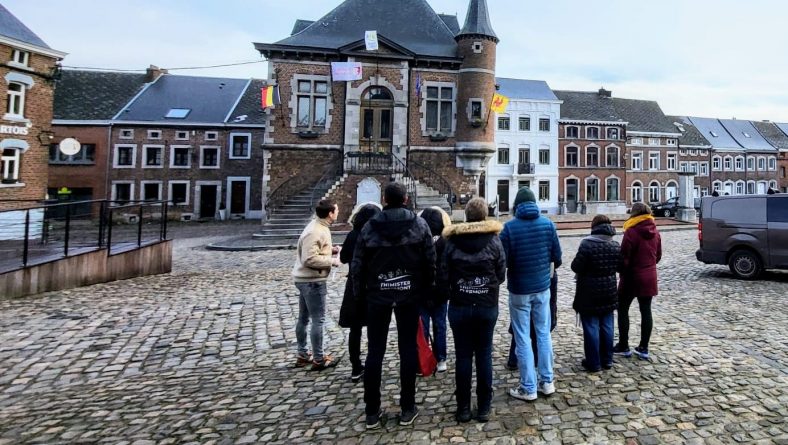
<point x="70" y="146"/>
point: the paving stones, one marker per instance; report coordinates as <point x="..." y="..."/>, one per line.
<point x="204" y="355"/>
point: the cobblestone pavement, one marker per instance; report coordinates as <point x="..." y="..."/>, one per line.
<point x="203" y="355"/>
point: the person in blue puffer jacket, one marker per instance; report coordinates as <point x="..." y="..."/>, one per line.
<point x="531" y="245"/>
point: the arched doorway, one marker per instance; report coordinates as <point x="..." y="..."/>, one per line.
<point x="377" y="112"/>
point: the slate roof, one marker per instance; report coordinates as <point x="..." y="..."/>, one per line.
<point x="525" y="89"/>
<point x="783" y="127"/>
<point x="740" y="130"/>
<point x="412" y="24"/>
<point x="11" y="27"/>
<point x="451" y="22"/>
<point x="710" y="127"/>
<point x="477" y="21"/>
<point x="690" y="137"/>
<point x="772" y="133"/>
<point x="209" y="99"/>
<point x="94" y="95"/>
<point x="643" y="115"/>
<point x="300" y="25"/>
<point x="249" y="110"/>
<point x="587" y="106"/>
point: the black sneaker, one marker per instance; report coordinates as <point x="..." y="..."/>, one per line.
<point x="642" y="353"/>
<point x="357" y="375"/>
<point x="408" y="416"/>
<point x="373" y="421"/>
<point x="463" y="414"/>
<point x="483" y="415"/>
<point x="587" y="368"/>
<point x="511" y="366"/>
<point x="623" y="351"/>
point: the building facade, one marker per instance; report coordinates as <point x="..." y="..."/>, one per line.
<point x="777" y="135"/>
<point x="526" y="139"/>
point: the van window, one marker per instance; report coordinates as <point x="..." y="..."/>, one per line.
<point x="740" y="211"/>
<point x="778" y="210"/>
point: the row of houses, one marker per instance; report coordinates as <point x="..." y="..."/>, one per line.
<point x="420" y="111"/>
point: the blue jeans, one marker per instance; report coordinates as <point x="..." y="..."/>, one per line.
<point x="438" y="316"/>
<point x="311" y="306"/>
<point x="598" y="340"/>
<point x="522" y="309"/>
<point x="473" y="328"/>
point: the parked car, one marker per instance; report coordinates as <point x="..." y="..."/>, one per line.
<point x="748" y="233"/>
<point x="671" y="206"/>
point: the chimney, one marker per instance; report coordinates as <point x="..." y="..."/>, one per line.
<point x="153" y="72"/>
<point x="605" y="93"/>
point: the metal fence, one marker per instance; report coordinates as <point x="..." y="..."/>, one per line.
<point x="37" y="234"/>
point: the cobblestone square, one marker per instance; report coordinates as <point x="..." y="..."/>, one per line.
<point x="204" y="355"/>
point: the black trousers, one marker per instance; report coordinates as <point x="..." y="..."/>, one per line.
<point x="354" y="347"/>
<point x="646" y="321"/>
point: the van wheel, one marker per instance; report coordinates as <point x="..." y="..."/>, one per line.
<point x="667" y="213"/>
<point x="745" y="264"/>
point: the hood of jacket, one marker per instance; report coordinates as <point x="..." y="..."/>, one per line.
<point x="474" y="236"/>
<point x="393" y="222"/>
<point x="437" y="219"/>
<point x="363" y="214"/>
<point x="647" y="228"/>
<point x="527" y="210"/>
<point x="602" y="232"/>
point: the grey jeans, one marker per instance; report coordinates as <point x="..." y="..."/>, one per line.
<point x="311" y="306"/>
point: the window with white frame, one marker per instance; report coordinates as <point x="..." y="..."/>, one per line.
<point x="126" y="133"/>
<point x="150" y="190"/>
<point x="716" y="186"/>
<point x="125" y="156"/>
<point x="572" y="132"/>
<point x="209" y="157"/>
<point x="692" y="152"/>
<point x="211" y="135"/>
<point x="740" y="187"/>
<point x="671" y="142"/>
<point x="476" y="109"/>
<point x="154" y="134"/>
<point x="739" y="164"/>
<point x="683" y="152"/>
<point x="524" y="155"/>
<point x="592" y="156"/>
<point x="544" y="190"/>
<point x="611" y="184"/>
<point x="637" y="192"/>
<point x="727" y="164"/>
<point x="636" y="141"/>
<point x="592" y="189"/>
<point x="637" y="161"/>
<point x="180" y="156"/>
<point x="653" y="191"/>
<point x="762" y="164"/>
<point x="704" y="169"/>
<point x="672" y="161"/>
<point x="750" y="187"/>
<point x="122" y="192"/>
<point x="716" y="163"/>
<point x="503" y="155"/>
<point x="704" y="191"/>
<point x="152" y="156"/>
<point x="240" y="144"/>
<point x="653" y="160"/>
<point x="544" y="124"/>
<point x="10" y="158"/>
<point x="312" y="103"/>
<point x="729" y="187"/>
<point x="653" y="141"/>
<point x="772" y="164"/>
<point x="16" y="100"/>
<point x="611" y="156"/>
<point x="684" y="166"/>
<point x="694" y="166"/>
<point x="571" y="156"/>
<point x="181" y="135"/>
<point x="750" y="163"/>
<point x="612" y="133"/>
<point x="504" y="123"/>
<point x="19" y="57"/>
<point x="85" y="156"/>
<point x="439" y="106"/>
<point x="544" y="156"/>
<point x="773" y="185"/>
<point x="592" y="132"/>
<point x="178" y="192"/>
<point x="524" y="123"/>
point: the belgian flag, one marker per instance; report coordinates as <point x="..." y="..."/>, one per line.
<point x="270" y="96"/>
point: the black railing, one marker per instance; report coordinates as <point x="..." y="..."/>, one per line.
<point x="401" y="170"/>
<point x="325" y="182"/>
<point x="526" y="169"/>
<point x="432" y="179"/>
<point x="369" y="163"/>
<point x="32" y="235"/>
<point x="287" y="189"/>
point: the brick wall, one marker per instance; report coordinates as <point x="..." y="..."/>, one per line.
<point x="346" y="194"/>
<point x="93" y="176"/>
<point x="475" y="84"/>
<point x="444" y="163"/>
<point x="297" y="169"/>
<point x="33" y="169"/>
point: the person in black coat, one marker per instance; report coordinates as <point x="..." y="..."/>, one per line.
<point x="434" y="312"/>
<point x="596" y="295"/>
<point x="470" y="272"/>
<point x="352" y="313"/>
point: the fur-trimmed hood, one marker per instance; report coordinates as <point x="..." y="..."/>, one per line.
<point x="476" y="227"/>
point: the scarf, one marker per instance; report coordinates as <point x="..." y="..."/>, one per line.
<point x="635" y="220"/>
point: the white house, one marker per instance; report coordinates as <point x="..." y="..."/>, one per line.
<point x="526" y="137"/>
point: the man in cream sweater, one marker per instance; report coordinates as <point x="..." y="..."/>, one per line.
<point x="310" y="272"/>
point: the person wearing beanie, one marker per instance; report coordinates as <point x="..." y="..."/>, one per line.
<point x="641" y="250"/>
<point x="532" y="249"/>
<point x="469" y="275"/>
<point x="596" y="294"/>
<point x="352" y="313"/>
<point x="435" y="312"/>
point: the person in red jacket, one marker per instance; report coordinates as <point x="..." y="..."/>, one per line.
<point x="641" y="250"/>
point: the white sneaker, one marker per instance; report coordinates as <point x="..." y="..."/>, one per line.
<point x="546" y="388"/>
<point x="518" y="393"/>
<point x="442" y="366"/>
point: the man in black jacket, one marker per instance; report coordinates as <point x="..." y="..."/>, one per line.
<point x="393" y="268"/>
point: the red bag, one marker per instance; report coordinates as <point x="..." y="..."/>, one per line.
<point x="427" y="362"/>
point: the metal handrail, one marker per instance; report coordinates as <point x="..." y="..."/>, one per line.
<point x="435" y="180"/>
<point x="282" y="192"/>
<point x="410" y="185"/>
<point x="329" y="174"/>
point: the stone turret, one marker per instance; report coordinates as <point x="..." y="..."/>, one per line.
<point x="476" y="44"/>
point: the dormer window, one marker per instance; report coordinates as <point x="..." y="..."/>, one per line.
<point x="612" y="133"/>
<point x="20" y="57"/>
<point x="177" y="113"/>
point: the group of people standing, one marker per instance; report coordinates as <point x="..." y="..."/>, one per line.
<point x="424" y="267"/>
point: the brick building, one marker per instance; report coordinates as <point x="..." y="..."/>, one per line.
<point x="777" y="135"/>
<point x="28" y="66"/>
<point x="694" y="154"/>
<point x="418" y="112"/>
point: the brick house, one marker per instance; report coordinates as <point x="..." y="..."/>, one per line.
<point x="200" y="151"/>
<point x="591" y="147"/>
<point x="694" y="154"/>
<point x="28" y="68"/>
<point x="777" y="135"/>
<point x="418" y="112"/>
<point x="526" y="139"/>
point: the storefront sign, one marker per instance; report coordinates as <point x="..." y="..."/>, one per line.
<point x="8" y="129"/>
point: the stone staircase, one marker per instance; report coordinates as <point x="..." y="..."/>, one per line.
<point x="426" y="196"/>
<point x="288" y="221"/>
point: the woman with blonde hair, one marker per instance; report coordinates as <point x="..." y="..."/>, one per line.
<point x="641" y="250"/>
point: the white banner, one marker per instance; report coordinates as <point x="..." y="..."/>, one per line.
<point x="345" y="71"/>
<point x="371" y="39"/>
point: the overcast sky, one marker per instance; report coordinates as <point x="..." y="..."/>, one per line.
<point x="712" y="58"/>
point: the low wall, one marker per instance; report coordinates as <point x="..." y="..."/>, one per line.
<point x="86" y="269"/>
